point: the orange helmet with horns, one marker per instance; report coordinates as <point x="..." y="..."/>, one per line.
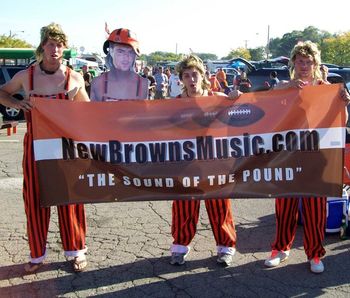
<point x="122" y="36"/>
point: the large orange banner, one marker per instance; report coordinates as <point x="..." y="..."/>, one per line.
<point x="265" y="144"/>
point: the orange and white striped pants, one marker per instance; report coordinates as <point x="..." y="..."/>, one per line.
<point x="185" y="214"/>
<point x="72" y="222"/>
<point x="314" y="224"/>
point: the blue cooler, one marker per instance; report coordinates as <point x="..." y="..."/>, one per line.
<point x="336" y="209"/>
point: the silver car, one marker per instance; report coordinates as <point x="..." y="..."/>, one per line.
<point x="6" y="73"/>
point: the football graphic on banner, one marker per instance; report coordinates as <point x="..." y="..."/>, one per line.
<point x="241" y="115"/>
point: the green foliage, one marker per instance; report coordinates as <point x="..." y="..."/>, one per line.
<point x="283" y="46"/>
<point x="157" y="57"/>
<point x="207" y="56"/>
<point x="336" y="50"/>
<point x="12" y="42"/>
<point x="239" y="52"/>
<point x="143" y="57"/>
<point x="257" y="54"/>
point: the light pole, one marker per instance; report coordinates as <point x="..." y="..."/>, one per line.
<point x="268" y="42"/>
<point x="246" y="43"/>
<point x="247" y="40"/>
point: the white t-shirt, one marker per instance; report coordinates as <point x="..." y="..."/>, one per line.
<point x="175" y="85"/>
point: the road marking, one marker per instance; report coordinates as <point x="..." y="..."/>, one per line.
<point x="9" y="141"/>
<point x="11" y="183"/>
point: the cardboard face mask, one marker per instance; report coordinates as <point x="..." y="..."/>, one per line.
<point x="123" y="57"/>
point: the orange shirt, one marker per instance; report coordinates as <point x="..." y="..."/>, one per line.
<point x="214" y="83"/>
<point x="221" y="76"/>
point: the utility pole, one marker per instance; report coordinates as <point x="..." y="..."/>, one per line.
<point x="176" y="49"/>
<point x="268" y="42"/>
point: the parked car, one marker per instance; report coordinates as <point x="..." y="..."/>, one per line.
<point x="260" y="74"/>
<point x="279" y="62"/>
<point x="343" y="71"/>
<point x="334" y="78"/>
<point x="212" y="66"/>
<point x="6" y="73"/>
<point x="330" y="65"/>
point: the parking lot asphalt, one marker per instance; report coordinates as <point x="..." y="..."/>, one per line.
<point x="129" y="251"/>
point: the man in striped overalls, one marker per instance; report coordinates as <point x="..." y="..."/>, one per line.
<point x="304" y="71"/>
<point x="47" y="78"/>
<point x="185" y="213"/>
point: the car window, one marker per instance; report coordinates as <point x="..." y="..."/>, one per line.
<point x="268" y="64"/>
<point x="13" y="71"/>
<point x="346" y="75"/>
<point x="2" y="78"/>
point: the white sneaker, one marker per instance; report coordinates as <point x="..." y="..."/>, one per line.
<point x="277" y="256"/>
<point x="316" y="265"/>
<point x="225" y="259"/>
<point x="178" y="258"/>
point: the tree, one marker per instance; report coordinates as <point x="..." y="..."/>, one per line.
<point x="207" y="56"/>
<point x="283" y="46"/>
<point x="337" y="49"/>
<point x="334" y="48"/>
<point x="239" y="52"/>
<point x="156" y="57"/>
<point x="257" y="54"/>
<point x="12" y="42"/>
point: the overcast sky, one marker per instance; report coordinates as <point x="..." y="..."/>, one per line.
<point x="177" y="25"/>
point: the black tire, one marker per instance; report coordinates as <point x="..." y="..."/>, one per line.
<point x="11" y="113"/>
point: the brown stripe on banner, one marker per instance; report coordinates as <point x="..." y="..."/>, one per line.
<point x="316" y="173"/>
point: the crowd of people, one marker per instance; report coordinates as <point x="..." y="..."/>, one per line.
<point x="49" y="78"/>
<point x="164" y="83"/>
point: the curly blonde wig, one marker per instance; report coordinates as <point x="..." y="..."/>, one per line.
<point x="52" y="31"/>
<point x="196" y="62"/>
<point x="306" y="49"/>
